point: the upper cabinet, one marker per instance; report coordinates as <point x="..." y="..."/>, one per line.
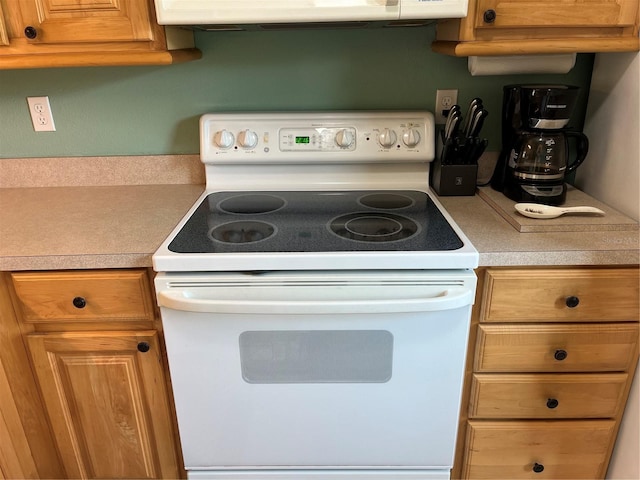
<point x="4" y="38"/>
<point x="517" y="27"/>
<point x="60" y="33"/>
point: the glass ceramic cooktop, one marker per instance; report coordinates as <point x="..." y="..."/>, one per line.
<point x="321" y="221"/>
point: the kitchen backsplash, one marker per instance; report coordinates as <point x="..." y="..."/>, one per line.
<point x="105" y="111"/>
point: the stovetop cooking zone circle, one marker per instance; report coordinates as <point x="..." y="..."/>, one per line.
<point x="373" y="227"/>
<point x="242" y="232"/>
<point x="386" y="201"/>
<point x="251" y="204"/>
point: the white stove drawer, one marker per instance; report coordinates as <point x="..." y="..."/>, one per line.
<point x="321" y="475"/>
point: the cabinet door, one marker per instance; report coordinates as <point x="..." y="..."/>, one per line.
<point x="551" y="13"/>
<point x="72" y="21"/>
<point x="4" y="37"/>
<point x="107" y="402"/>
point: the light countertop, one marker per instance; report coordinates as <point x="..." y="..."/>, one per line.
<point x="68" y="226"/>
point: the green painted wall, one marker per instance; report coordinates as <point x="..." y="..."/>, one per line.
<point x="155" y="110"/>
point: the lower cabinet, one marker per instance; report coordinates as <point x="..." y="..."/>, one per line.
<point x="551" y="359"/>
<point x="85" y="389"/>
<point x="106" y="402"/>
<point x="97" y="357"/>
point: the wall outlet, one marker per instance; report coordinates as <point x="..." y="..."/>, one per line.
<point x="41" y="116"/>
<point x="445" y="99"/>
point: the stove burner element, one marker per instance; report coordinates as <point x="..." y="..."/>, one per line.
<point x="242" y="232"/>
<point x="373" y="227"/>
<point x="386" y="201"/>
<point x="248" y="204"/>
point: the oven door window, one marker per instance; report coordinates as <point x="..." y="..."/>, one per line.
<point x="316" y="356"/>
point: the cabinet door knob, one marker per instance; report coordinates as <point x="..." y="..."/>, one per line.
<point x="489" y="16"/>
<point x="30" y="32"/>
<point x="560" y="355"/>
<point x="572" y="301"/>
<point x="79" y="302"/>
<point x="538" y="467"/>
<point x="144" y="347"/>
<point x="552" y="403"/>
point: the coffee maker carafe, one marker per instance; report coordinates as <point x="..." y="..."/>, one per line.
<point x="536" y="155"/>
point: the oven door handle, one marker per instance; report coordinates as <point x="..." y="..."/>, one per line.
<point x="187" y="301"/>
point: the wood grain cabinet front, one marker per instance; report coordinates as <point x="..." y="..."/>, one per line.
<point x="46" y="33"/>
<point x="517" y="27"/>
<point x="610" y="347"/>
<point x="552" y="355"/>
<point x="545" y="450"/>
<point x="82" y="296"/>
<point x="95" y="345"/>
<point x="536" y="395"/>
<point x="105" y="396"/>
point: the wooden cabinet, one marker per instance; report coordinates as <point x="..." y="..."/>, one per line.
<point x="98" y="360"/>
<point x="4" y="37"/>
<point x="92" y="21"/>
<point x="516" y="27"/>
<point x="27" y="449"/>
<point x="46" y="33"/>
<point x="549" y="450"/>
<point x="552" y="356"/>
<point x="15" y="458"/>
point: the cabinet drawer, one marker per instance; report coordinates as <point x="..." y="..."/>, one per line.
<point x="551" y="295"/>
<point x="551" y="13"/>
<point x="546" y="395"/>
<point x="537" y="449"/>
<point x="86" y="295"/>
<point x="556" y="348"/>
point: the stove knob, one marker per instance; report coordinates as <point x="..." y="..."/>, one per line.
<point x="344" y="138"/>
<point x="411" y="138"/>
<point x="387" y="138"/>
<point x="223" y="139"/>
<point x="247" y="139"/>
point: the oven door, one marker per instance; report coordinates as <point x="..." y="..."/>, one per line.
<point x="311" y="372"/>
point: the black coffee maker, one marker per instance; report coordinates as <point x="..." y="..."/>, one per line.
<point x="535" y="154"/>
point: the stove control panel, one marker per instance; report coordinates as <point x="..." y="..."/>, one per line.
<point x="324" y="139"/>
<point x="321" y="137"/>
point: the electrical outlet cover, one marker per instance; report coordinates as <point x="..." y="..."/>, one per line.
<point x="445" y="99"/>
<point x="41" y="116"/>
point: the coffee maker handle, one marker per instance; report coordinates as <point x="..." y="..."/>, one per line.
<point x="582" y="148"/>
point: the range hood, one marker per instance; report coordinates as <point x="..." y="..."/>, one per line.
<point x="304" y="12"/>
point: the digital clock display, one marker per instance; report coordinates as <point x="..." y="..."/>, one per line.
<point x="302" y="139"/>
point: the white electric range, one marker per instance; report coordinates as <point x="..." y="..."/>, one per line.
<point x="316" y="301"/>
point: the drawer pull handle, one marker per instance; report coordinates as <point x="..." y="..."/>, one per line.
<point x="30" y="32"/>
<point x="572" y="301"/>
<point x="489" y="16"/>
<point x="552" y="403"/>
<point x="79" y="302"/>
<point x="538" y="467"/>
<point x="560" y="355"/>
<point x="144" y="347"/>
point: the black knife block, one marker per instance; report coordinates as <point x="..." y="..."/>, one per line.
<point x="453" y="180"/>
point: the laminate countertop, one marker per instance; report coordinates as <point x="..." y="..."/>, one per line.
<point x="120" y="226"/>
